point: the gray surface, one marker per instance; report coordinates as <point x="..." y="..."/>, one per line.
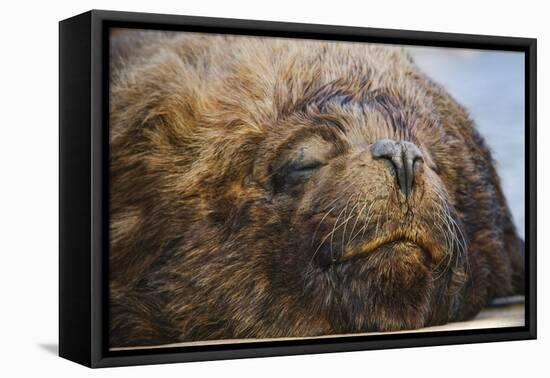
<point x="490" y="84"/>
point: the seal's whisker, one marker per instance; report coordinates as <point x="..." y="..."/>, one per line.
<point x="455" y="240"/>
<point x="447" y="264"/>
<point x="344" y="222"/>
<point x="449" y="233"/>
<point x="329" y="235"/>
<point x="341" y="195"/>
<point x="462" y="242"/>
<point x="359" y="213"/>
<point x="321" y="222"/>
<point x="365" y="223"/>
<point x="324" y="239"/>
<point x="368" y="218"/>
<point x="346" y="214"/>
<point x="334" y="230"/>
<point x="346" y="225"/>
<point x="443" y="227"/>
<point x="448" y="245"/>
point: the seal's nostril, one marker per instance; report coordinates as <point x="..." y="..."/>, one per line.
<point x="416" y="164"/>
<point x="405" y="157"/>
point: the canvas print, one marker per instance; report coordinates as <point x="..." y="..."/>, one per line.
<point x="267" y="188"/>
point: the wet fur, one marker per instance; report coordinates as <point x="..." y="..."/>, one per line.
<point x="204" y="244"/>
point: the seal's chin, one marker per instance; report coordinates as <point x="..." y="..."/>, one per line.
<point x="394" y="277"/>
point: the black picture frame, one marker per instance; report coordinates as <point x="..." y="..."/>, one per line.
<point x="83" y="181"/>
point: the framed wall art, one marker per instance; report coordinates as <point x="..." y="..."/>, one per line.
<point x="233" y="188"/>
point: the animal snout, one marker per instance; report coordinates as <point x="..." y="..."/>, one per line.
<point x="405" y="159"/>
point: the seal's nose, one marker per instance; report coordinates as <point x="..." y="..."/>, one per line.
<point x="405" y="158"/>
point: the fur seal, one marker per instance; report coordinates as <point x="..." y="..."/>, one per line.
<point x="265" y="187"/>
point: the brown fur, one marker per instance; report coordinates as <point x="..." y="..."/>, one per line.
<point x="212" y="237"/>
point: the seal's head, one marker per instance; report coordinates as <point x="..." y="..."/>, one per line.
<point x="361" y="222"/>
<point x="289" y="188"/>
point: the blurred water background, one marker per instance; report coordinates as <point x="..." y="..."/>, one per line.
<point x="490" y="84"/>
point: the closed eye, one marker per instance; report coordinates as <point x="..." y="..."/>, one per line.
<point x="301" y="166"/>
<point x="294" y="173"/>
